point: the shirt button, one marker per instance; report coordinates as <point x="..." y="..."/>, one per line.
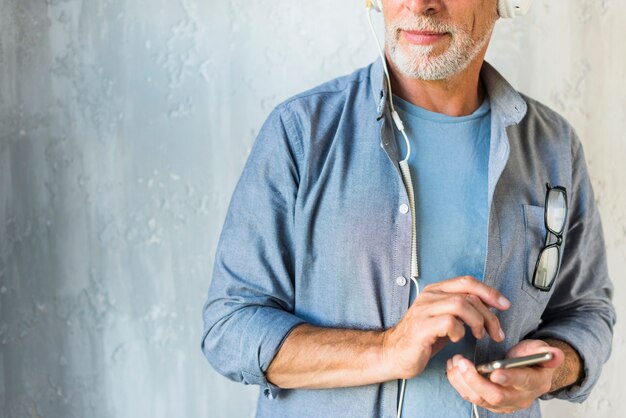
<point x="404" y="208"/>
<point x="400" y="281"/>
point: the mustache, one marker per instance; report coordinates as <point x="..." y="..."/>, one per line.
<point x="422" y="24"/>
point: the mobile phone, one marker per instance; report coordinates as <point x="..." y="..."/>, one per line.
<point x="509" y="363"/>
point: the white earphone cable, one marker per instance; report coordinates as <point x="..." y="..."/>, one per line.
<point x="406" y="175"/>
<point x="404" y="164"/>
<point x="394" y="114"/>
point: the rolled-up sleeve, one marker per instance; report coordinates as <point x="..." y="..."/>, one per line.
<point x="580" y="311"/>
<point x="249" y="309"/>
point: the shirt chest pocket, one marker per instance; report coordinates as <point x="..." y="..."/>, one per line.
<point x="535" y="235"/>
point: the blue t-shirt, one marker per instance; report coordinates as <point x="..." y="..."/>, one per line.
<point x="449" y="161"/>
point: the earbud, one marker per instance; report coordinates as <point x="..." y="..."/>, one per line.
<point x="506" y="8"/>
<point x="374" y="4"/>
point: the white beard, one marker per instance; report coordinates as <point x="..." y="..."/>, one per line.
<point x="417" y="62"/>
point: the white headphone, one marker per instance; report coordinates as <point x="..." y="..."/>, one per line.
<point x="506" y="8"/>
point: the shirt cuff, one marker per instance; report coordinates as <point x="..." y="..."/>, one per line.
<point x="266" y="331"/>
<point x="587" y="346"/>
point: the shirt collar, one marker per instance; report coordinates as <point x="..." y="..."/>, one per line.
<point x="505" y="100"/>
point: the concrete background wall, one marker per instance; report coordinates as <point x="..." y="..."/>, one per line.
<point x="124" y="125"/>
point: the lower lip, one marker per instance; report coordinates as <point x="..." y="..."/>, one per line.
<point x="422" y="39"/>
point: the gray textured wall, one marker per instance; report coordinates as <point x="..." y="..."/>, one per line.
<point x="123" y="128"/>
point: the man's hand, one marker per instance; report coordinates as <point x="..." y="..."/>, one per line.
<point x="438" y="315"/>
<point x="506" y="391"/>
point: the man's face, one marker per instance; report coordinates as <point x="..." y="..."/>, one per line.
<point x="436" y="39"/>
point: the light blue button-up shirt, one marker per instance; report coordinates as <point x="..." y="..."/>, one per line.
<point x="315" y="233"/>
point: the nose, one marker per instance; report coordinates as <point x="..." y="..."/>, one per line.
<point x="425" y="7"/>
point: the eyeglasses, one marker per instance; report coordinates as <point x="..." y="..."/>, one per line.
<point x="547" y="266"/>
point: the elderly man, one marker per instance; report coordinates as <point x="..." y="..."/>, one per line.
<point x="388" y="235"/>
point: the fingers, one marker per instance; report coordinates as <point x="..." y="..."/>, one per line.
<point x="480" y="391"/>
<point x="470" y="310"/>
<point x="505" y="391"/>
<point x="529" y="347"/>
<point x="492" y="323"/>
<point x="473" y="286"/>
<point x="528" y="379"/>
<point x="558" y="357"/>
<point x="485" y="389"/>
<point x="460" y="385"/>
<point x="415" y="342"/>
<point x="439" y="314"/>
<point x="443" y="326"/>
<point x="535" y="378"/>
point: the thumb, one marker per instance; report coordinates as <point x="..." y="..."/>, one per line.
<point x="530" y="347"/>
<point x="557" y="357"/>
